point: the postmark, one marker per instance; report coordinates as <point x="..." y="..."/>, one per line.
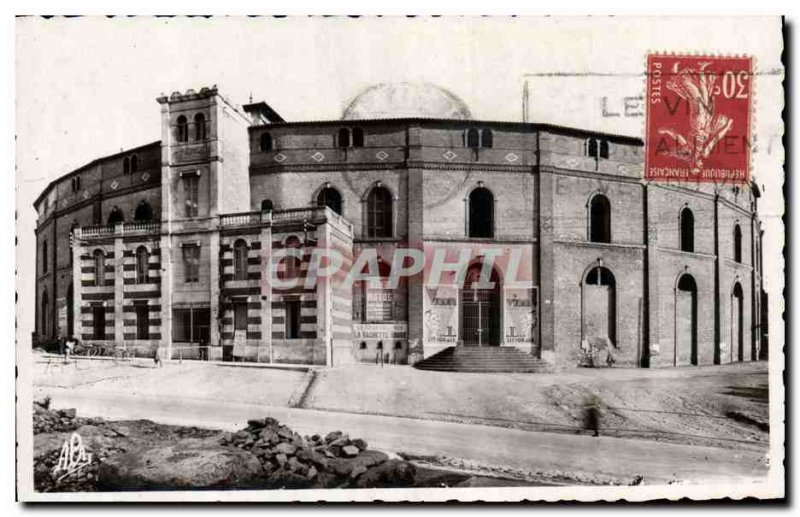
<point x="698" y="118"/>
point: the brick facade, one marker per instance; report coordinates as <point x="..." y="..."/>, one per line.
<point x="250" y="182"/>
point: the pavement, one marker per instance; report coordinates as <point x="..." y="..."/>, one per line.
<point x="580" y="457"/>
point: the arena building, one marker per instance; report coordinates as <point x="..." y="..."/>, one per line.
<point x="169" y="246"/>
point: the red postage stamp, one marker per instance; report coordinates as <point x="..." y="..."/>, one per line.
<point x="698" y="118"/>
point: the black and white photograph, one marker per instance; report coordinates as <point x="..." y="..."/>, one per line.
<point x="399" y="258"/>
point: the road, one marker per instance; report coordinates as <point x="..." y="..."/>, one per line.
<point x="587" y="457"/>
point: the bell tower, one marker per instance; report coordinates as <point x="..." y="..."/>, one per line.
<point x="204" y="157"/>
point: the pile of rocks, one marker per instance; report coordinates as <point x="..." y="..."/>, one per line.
<point x="56" y="421"/>
<point x="335" y="460"/>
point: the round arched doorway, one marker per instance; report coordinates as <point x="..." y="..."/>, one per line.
<point x="598" y="307"/>
<point x="480" y="308"/>
<point x="686" y="321"/>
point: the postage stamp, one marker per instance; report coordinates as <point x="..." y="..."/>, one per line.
<point x="352" y="273"/>
<point x="698" y="118"/>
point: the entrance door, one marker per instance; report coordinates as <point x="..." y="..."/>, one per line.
<point x="599" y="306"/>
<point x="686" y="322"/>
<point x="480" y="309"/>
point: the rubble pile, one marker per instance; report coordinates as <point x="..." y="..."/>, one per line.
<point x="46" y="420"/>
<point x="333" y="461"/>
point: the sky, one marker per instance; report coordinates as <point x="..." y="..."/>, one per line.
<point x="86" y="87"/>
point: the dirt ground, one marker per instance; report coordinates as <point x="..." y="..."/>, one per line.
<point x="722" y="406"/>
<point x="273" y="387"/>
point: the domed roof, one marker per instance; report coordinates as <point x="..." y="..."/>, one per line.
<point x="406" y="100"/>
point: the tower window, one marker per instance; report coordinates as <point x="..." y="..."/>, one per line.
<point x="481" y="213"/>
<point x="191" y="263"/>
<point x="379" y="213"/>
<point x="134" y="164"/>
<point x="126" y="165"/>
<point x="266" y="205"/>
<point x="265" y="143"/>
<point x="199" y="127"/>
<point x="182" y="129"/>
<point x="331" y="198"/>
<point x="599" y="219"/>
<point x="191" y="194"/>
<point x="595" y="148"/>
<point x="687" y="230"/>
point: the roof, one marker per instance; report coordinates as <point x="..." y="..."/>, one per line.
<point x="528" y="126"/>
<point x="88" y="165"/>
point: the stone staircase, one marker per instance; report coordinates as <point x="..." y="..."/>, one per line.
<point x="484" y="359"/>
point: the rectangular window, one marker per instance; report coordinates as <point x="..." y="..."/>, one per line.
<point x="191" y="263"/>
<point x="293" y="319"/>
<point x="240" y="316"/>
<point x="191" y="194"/>
<point x="99" y="321"/>
<point x="142" y="321"/>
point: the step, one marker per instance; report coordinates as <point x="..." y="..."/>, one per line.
<point x="484" y="360"/>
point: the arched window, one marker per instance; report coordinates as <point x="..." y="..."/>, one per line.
<point x="600" y="276"/>
<point x="737" y="243"/>
<point x="292" y="264"/>
<point x="343" y="139"/>
<point x="45" y="314"/>
<point x="126" y="165"/>
<point x="199" y="127"/>
<point x="358" y="137"/>
<point x="240" y="260"/>
<point x="265" y="142"/>
<point x="362" y="345"/>
<point x="687" y="230"/>
<point x="134" y="164"/>
<point x="331" y="198"/>
<point x="142" y="265"/>
<point x="99" y="268"/>
<point x="481" y="213"/>
<point x="379" y="213"/>
<point x="599" y="219"/>
<point x="603" y="149"/>
<point x="472" y="138"/>
<point x="115" y="216"/>
<point x="379" y="346"/>
<point x="266" y="205"/>
<point x="398" y="345"/>
<point x="143" y="212"/>
<point x="487" y="138"/>
<point x="590" y="147"/>
<point x="77" y="183"/>
<point x="182" y="129"/>
<point x="44" y="257"/>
